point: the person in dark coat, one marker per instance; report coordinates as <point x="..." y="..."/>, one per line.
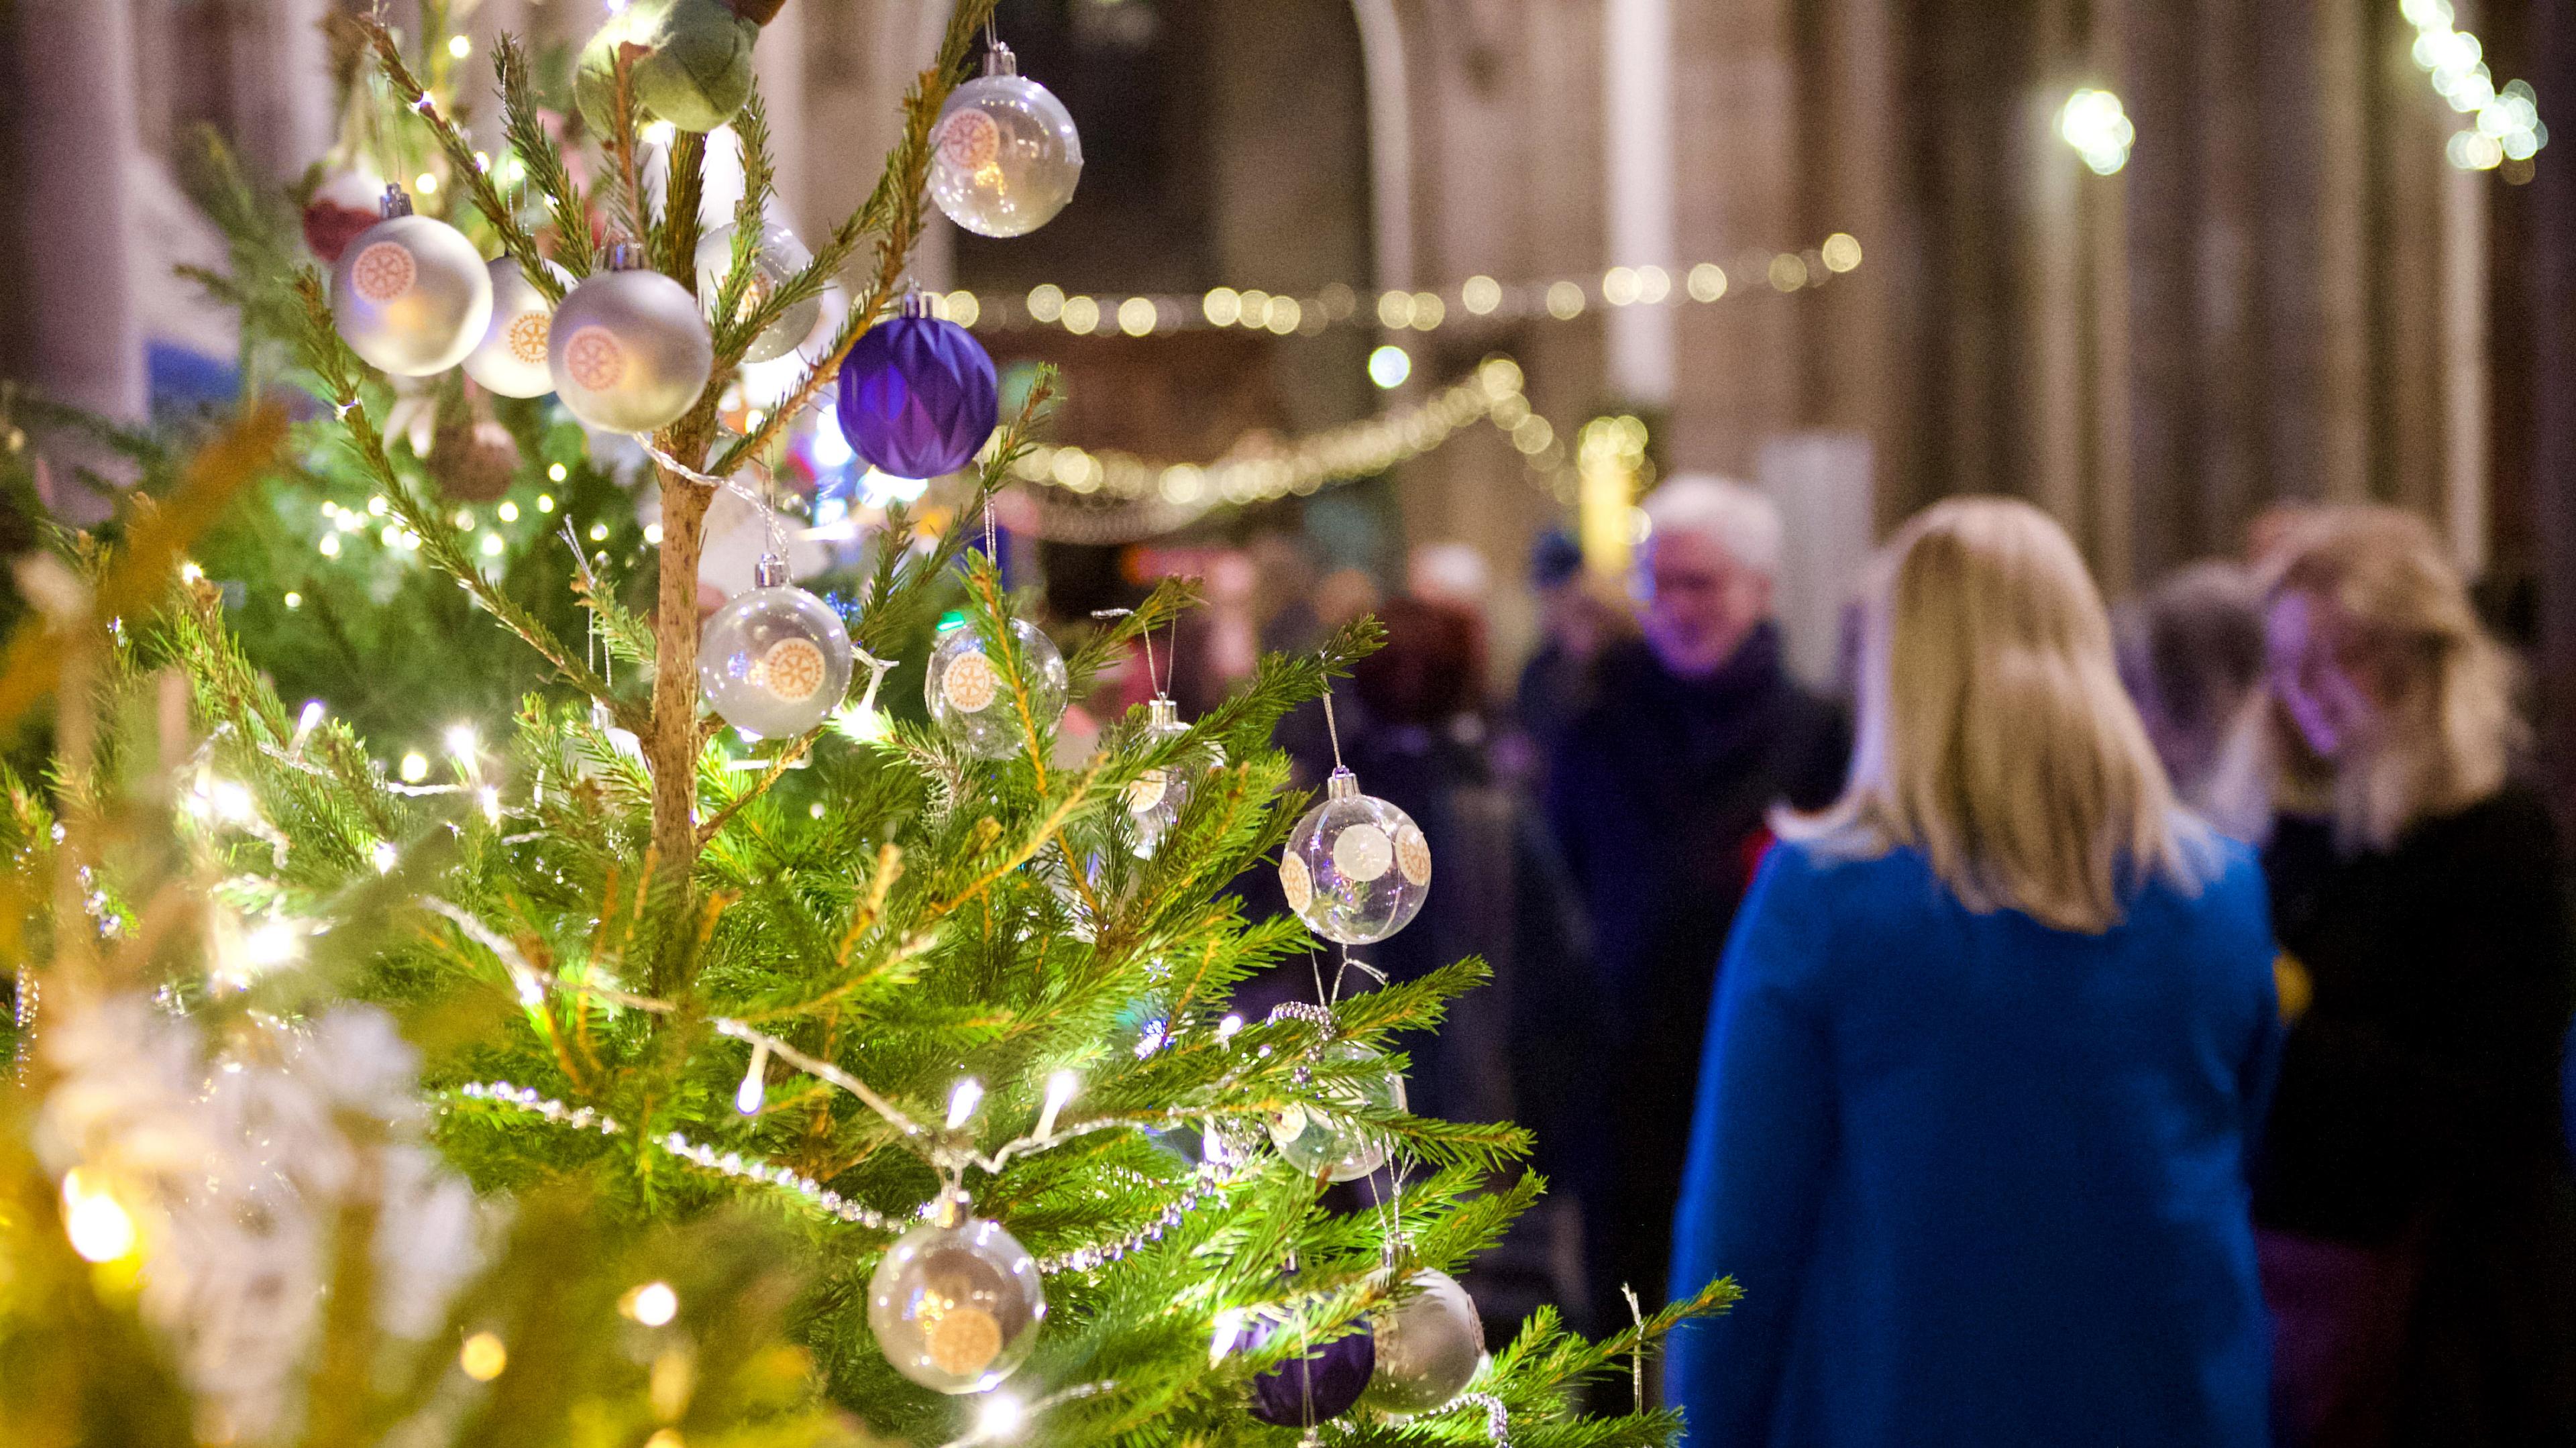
<point x="1657" y="795"/>
<point x="2418" y="1212"/>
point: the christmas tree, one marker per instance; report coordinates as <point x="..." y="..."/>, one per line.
<point x="792" y="1073"/>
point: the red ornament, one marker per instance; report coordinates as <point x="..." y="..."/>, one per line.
<point x="346" y="203"/>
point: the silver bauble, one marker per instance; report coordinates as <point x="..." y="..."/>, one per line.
<point x="511" y="358"/>
<point x="970" y="696"/>
<point x="1318" y="1139"/>
<point x="410" y="294"/>
<point x="956" y="1309"/>
<point x="1004" y="157"/>
<point x="628" y="350"/>
<point x="1155" y="798"/>
<point x="1429" y="1348"/>
<point x="774" y="661"/>
<point x="1356" y="868"/>
<point x="779" y="256"/>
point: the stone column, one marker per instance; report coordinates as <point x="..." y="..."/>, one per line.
<point x="78" y="144"/>
<point x="1637" y="169"/>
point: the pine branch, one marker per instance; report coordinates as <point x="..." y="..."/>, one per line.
<point x="461" y="160"/>
<point x="441" y="544"/>
<point x="545" y="169"/>
<point x="735" y="331"/>
<point x="892" y="213"/>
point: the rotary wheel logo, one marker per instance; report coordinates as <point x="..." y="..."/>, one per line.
<point x="1296" y="882"/>
<point x="970" y="684"/>
<point x="1413" y="855"/>
<point x="595" y="358"/>
<point x="792" y="669"/>
<point x="969" y="139"/>
<point x="526" y="337"/>
<point x="384" y="271"/>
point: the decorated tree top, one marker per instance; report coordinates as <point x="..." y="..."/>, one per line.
<point x="871" y="1072"/>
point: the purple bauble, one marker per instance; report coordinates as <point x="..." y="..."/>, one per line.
<point x="1320" y="1386"/>
<point x="918" y="396"/>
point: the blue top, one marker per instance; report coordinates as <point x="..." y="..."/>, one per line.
<point x="1982" y="1182"/>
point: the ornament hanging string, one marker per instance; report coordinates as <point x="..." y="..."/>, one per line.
<point x="775" y="526"/>
<point x="1153" y="679"/>
<point x="1331" y="729"/>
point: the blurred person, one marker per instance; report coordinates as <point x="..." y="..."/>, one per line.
<point x="1451" y="573"/>
<point x="2191" y="653"/>
<point x="1657" y="794"/>
<point x="2273" y="532"/>
<point x="2419" y="1242"/>
<point x="1578" y="622"/>
<point x="1988" y="1056"/>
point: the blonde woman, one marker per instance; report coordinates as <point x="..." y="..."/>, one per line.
<point x="1990" y="1043"/>
<point x="2414" y="1197"/>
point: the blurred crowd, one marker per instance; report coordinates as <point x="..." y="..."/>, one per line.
<point x="2070" y="1026"/>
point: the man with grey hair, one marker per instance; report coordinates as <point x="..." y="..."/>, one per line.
<point x="1657" y="794"/>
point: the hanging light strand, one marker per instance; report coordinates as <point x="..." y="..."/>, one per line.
<point x="1477" y="301"/>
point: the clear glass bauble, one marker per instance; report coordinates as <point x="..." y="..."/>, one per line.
<point x="779" y="256"/>
<point x="1430" y="1347"/>
<point x="411" y="296"/>
<point x="956" y="1309"/>
<point x="775" y="661"/>
<point x="1356" y="869"/>
<point x="1004" y="156"/>
<point x="970" y="696"/>
<point x="1324" y="1141"/>
<point x="628" y="350"/>
<point x="1155" y="798"/>
<point x="511" y="358"/>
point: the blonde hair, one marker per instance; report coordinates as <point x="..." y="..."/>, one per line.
<point x="2450" y="729"/>
<point x="1994" y="734"/>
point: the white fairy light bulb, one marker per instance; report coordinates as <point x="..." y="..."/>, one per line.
<point x="955" y="1306"/>
<point x="410" y="294"/>
<point x="1356" y="868"/>
<point x="1060" y="1089"/>
<point x="748" y="1096"/>
<point x="1321" y="1140"/>
<point x="970" y="695"/>
<point x="963" y="1098"/>
<point x="1005" y="156"/>
<point x="774" y="661"/>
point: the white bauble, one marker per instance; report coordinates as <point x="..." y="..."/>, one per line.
<point x="1356" y="868"/>
<point x="1004" y="157"/>
<point x="410" y="294"/>
<point x="779" y="256"/>
<point x="628" y="350"/>
<point x="1429" y="1348"/>
<point x="774" y="661"/>
<point x="1318" y="1139"/>
<point x="970" y="696"/>
<point x="511" y="358"/>
<point x="956" y="1309"/>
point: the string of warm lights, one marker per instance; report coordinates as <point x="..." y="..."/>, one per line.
<point x="1477" y="300"/>
<point x="2507" y="120"/>
<point x="1104" y="496"/>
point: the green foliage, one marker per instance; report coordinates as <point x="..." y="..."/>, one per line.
<point x="887" y="917"/>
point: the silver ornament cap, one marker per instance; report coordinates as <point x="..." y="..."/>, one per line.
<point x="628" y="351"/>
<point x="410" y="294"/>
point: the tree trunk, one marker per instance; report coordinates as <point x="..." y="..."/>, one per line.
<point x="671" y="743"/>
